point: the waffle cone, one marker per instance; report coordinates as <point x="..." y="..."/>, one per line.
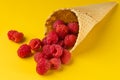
<point x="87" y="17"/>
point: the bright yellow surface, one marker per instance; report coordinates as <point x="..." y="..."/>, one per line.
<point x="99" y="55"/>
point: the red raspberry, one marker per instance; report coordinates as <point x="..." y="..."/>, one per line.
<point x="46" y="51"/>
<point x="44" y="41"/>
<point x="57" y="22"/>
<point x="24" y="51"/>
<point x="62" y="30"/>
<point x="38" y="56"/>
<point x="56" y="50"/>
<point x="55" y="63"/>
<point x="35" y="44"/>
<point x="52" y="37"/>
<point x="73" y="27"/>
<point x="15" y="36"/>
<point x="70" y="40"/>
<point x="42" y="66"/>
<point x="66" y="56"/>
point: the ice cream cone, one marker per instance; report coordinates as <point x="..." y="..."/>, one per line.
<point x="87" y="17"/>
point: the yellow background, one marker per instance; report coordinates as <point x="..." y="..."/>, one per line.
<point x="99" y="54"/>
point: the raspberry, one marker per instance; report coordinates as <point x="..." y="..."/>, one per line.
<point x="62" y="30"/>
<point x="46" y="51"/>
<point x="57" y="22"/>
<point x="52" y="37"/>
<point x="42" y="66"/>
<point x="24" y="51"/>
<point x="70" y="40"/>
<point x="56" y="50"/>
<point x="15" y="36"/>
<point x="66" y="56"/>
<point x="73" y="27"/>
<point x="55" y="63"/>
<point x="38" y="56"/>
<point x="35" y="44"/>
<point x="44" y="41"/>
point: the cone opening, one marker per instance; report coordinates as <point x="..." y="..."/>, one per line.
<point x="65" y="15"/>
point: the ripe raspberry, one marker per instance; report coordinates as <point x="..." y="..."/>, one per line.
<point x="44" y="41"/>
<point x="15" y="36"/>
<point x="52" y="37"/>
<point x="70" y="40"/>
<point x="38" y="56"/>
<point x="66" y="56"/>
<point x="73" y="27"/>
<point x="57" y="22"/>
<point x="62" y="30"/>
<point x="42" y="66"/>
<point x="24" y="51"/>
<point x="55" y="63"/>
<point x="35" y="44"/>
<point x="46" y="51"/>
<point x="56" y="50"/>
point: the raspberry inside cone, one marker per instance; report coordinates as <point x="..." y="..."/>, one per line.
<point x="56" y="45"/>
<point x="61" y="36"/>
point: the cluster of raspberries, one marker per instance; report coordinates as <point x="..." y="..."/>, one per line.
<point x="52" y="50"/>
